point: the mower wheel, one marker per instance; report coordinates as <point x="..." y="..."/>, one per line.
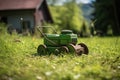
<point x="71" y="48"/>
<point x="41" y="50"/>
<point x="64" y="49"/>
<point x="86" y="51"/>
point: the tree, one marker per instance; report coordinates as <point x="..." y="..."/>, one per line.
<point x="67" y="16"/>
<point x="106" y="16"/>
<point x="73" y="16"/>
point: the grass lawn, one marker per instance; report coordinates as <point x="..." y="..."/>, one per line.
<point x="19" y="62"/>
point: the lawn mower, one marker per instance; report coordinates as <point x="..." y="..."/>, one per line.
<point x="65" y="42"/>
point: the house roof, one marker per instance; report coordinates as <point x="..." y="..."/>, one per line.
<point x="19" y="4"/>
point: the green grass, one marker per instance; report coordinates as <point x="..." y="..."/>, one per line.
<point x="19" y="62"/>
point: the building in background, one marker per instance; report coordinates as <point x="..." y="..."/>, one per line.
<point x="23" y="15"/>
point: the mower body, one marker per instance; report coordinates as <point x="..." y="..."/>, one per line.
<point x="55" y="41"/>
<point x="66" y="37"/>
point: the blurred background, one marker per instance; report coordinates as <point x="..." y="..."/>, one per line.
<point x="86" y="18"/>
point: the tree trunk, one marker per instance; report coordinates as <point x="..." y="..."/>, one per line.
<point x="116" y="28"/>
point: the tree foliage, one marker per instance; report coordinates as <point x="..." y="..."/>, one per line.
<point x="105" y="15"/>
<point x="72" y="16"/>
<point x="67" y="16"/>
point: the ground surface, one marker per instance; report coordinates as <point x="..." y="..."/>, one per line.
<point x="19" y="62"/>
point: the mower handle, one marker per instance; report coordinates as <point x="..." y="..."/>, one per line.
<point x="47" y="27"/>
<point x="45" y="35"/>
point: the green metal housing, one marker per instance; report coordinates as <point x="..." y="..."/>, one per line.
<point x="55" y="40"/>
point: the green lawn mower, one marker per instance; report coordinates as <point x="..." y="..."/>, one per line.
<point x="65" y="42"/>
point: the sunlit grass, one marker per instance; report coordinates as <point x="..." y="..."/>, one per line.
<point x="19" y="62"/>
